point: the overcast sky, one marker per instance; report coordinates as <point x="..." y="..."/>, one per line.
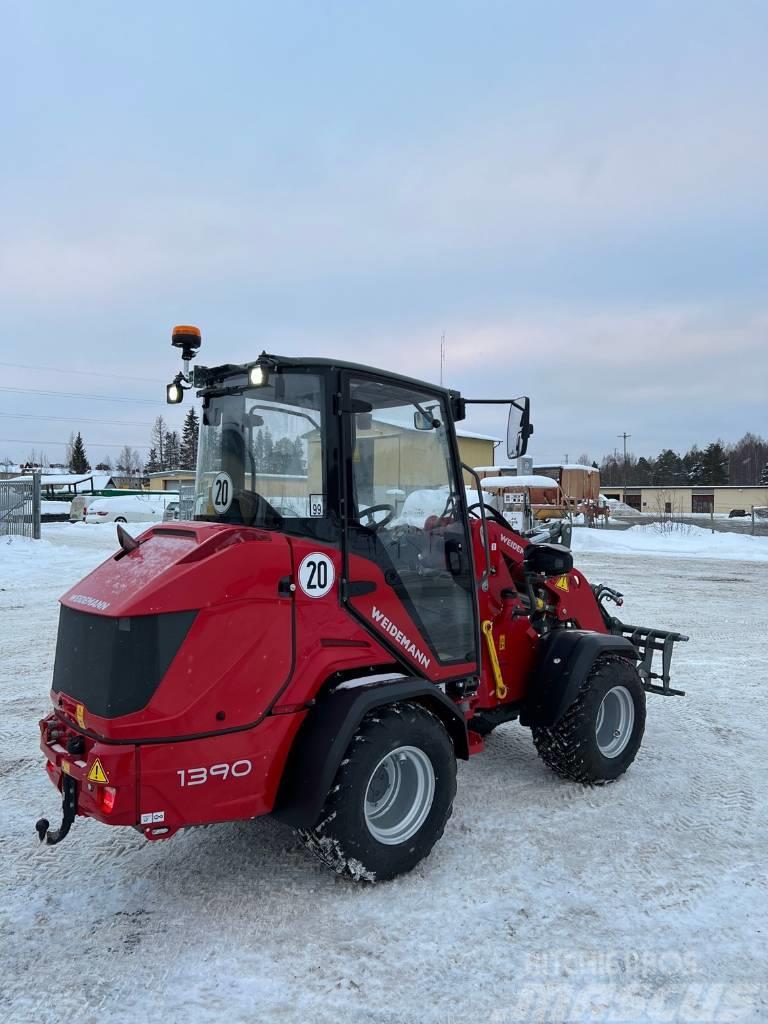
<point x="574" y="192"/>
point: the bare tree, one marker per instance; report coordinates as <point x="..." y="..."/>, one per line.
<point x="37" y="459"/>
<point x="158" y="436"/>
<point x="668" y="514"/>
<point x="68" y="451"/>
<point x="129" y="461"/>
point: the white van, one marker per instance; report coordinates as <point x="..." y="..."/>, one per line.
<point x="132" y="508"/>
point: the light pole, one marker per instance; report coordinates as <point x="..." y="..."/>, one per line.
<point x="625" y="436"/>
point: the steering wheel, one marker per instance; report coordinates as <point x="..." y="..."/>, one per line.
<point x="490" y="512"/>
<point x="376" y="524"/>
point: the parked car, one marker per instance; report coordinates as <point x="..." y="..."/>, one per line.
<point x="133" y="508"/>
<point x="171" y="512"/>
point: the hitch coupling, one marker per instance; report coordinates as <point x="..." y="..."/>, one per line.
<point x="69" y="810"/>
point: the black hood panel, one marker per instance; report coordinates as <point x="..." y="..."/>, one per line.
<point x="113" y="666"/>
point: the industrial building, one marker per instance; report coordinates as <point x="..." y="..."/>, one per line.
<point x="673" y="498"/>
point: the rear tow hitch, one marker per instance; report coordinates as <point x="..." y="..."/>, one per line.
<point x="69" y="810"/>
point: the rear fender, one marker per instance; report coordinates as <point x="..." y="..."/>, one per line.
<point x="327" y="732"/>
<point x="564" y="660"/>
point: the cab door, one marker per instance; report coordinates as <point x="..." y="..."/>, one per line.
<point x="408" y="560"/>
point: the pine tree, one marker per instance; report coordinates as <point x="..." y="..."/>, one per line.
<point x="299" y="463"/>
<point x="258" y="451"/>
<point x="189" y="436"/>
<point x="693" y="466"/>
<point x="643" y="472"/>
<point x="764" y="474"/>
<point x="78" y="460"/>
<point x="282" y="455"/>
<point x="669" y="468"/>
<point x="153" y="463"/>
<point x="172" y="450"/>
<point x="714" y="464"/>
<point x="268" y="459"/>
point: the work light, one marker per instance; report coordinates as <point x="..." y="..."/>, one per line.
<point x="258" y="376"/>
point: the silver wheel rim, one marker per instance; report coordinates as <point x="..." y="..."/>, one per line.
<point x="399" y="795"/>
<point x="615" y="721"/>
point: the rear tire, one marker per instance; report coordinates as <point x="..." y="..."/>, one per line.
<point x="599" y="735"/>
<point x="120" y="519"/>
<point x="391" y="798"/>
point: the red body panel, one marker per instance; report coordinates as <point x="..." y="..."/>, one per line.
<point x="212" y="741"/>
<point x="220" y="778"/>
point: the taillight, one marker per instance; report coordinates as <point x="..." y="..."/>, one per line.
<point x="105" y="798"/>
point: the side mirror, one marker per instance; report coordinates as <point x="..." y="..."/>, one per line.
<point x="425" y="419"/>
<point x="519" y="427"/>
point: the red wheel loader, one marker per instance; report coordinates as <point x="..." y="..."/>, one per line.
<point x="335" y="624"/>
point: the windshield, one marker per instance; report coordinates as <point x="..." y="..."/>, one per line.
<point x="260" y="457"/>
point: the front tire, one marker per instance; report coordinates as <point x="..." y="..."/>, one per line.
<point x="391" y="798"/>
<point x="599" y="735"/>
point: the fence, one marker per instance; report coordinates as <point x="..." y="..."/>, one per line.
<point x="20" y="507"/>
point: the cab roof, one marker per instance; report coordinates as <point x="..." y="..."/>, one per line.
<point x="206" y="377"/>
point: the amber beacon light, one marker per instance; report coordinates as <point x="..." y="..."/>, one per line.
<point x="188" y="339"/>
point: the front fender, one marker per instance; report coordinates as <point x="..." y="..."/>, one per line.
<point x="564" y="660"/>
<point x="328" y="730"/>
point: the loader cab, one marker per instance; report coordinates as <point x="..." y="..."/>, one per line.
<point x="366" y="462"/>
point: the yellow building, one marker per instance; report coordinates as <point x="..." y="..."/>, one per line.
<point x="169" y="479"/>
<point x="661" y="500"/>
<point x="476" y="449"/>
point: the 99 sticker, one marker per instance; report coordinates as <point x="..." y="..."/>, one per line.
<point x="316" y="574"/>
<point x="317" y="506"/>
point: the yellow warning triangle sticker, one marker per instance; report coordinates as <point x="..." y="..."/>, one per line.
<point x="96" y="772"/>
<point x="562" y="583"/>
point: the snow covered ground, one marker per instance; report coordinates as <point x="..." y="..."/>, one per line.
<point x="685" y="542"/>
<point x="544" y="901"/>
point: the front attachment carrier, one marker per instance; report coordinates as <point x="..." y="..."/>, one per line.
<point x="646" y="642"/>
<point x="69" y="810"/>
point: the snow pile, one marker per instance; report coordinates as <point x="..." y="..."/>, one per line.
<point x="692" y="542"/>
<point x="620" y="508"/>
<point x="497" y="482"/>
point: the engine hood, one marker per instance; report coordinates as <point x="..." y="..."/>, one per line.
<point x="185" y="634"/>
<point x="181" y="568"/>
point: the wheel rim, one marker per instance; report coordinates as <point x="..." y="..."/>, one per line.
<point x="615" y="721"/>
<point x="399" y="795"/>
